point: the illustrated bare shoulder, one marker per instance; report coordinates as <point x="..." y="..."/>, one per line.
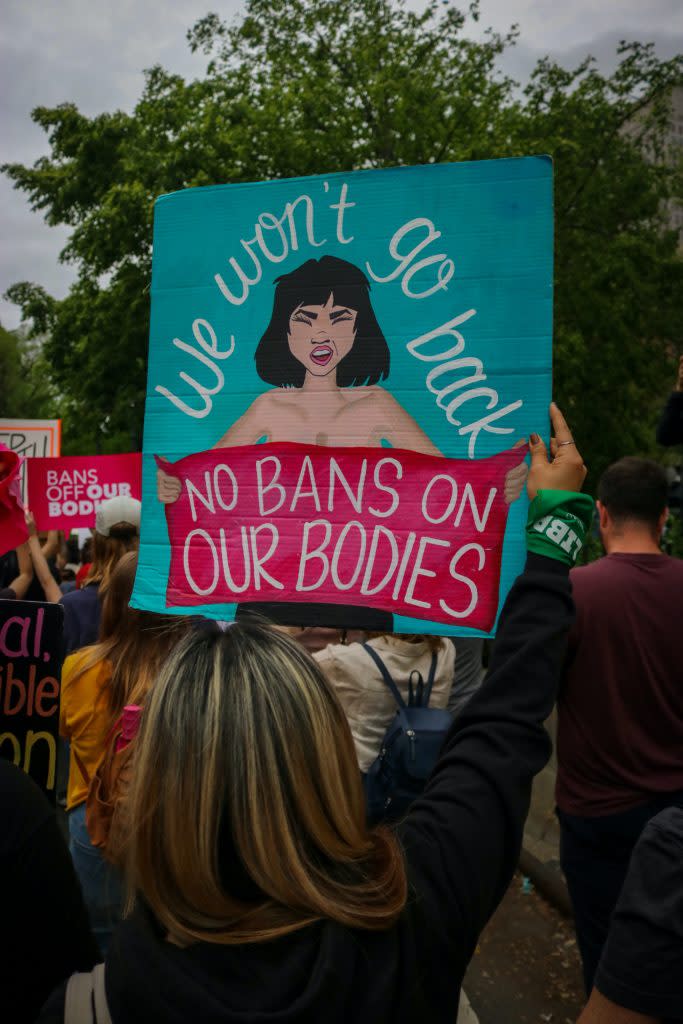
<point x="252" y="424"/>
<point x="265" y="404"/>
<point x="368" y="394"/>
<point x="279" y="397"/>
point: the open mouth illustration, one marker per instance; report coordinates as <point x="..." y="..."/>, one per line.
<point x="321" y="354"/>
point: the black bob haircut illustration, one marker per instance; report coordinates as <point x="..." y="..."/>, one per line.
<point x="312" y="284"/>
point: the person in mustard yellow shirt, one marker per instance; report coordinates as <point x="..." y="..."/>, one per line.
<point x="97" y="683"/>
<point x="84" y="719"/>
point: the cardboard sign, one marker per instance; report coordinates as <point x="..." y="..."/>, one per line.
<point x="31" y="439"/>
<point x="414" y="534"/>
<point x="399" y="313"/>
<point x="30" y="670"/>
<point x="66" y="493"/>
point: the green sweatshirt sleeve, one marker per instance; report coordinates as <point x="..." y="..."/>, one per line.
<point x="558" y="523"/>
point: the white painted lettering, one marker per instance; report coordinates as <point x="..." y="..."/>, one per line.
<point x="470" y="584"/>
<point x="418" y="570"/>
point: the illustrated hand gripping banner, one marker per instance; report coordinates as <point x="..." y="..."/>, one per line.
<point x="339" y="369"/>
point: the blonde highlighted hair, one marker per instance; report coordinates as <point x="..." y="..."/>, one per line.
<point x="247" y="811"/>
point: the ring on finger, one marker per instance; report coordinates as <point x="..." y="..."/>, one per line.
<point x="563" y="443"/>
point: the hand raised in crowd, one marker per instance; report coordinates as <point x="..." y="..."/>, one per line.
<point x="168" y="487"/>
<point x="38" y="558"/>
<point x="565" y="470"/>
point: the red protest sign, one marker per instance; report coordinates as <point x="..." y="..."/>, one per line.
<point x="65" y="493"/>
<point x="379" y="528"/>
<point x="13" y="530"/>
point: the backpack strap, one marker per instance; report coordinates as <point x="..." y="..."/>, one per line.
<point x="430" y="682"/>
<point x="100" y="995"/>
<point x="395" y="692"/>
<point x="78" y="1008"/>
<point x="85" y="1000"/>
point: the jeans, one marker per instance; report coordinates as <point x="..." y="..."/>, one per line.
<point x="100" y="880"/>
<point x="594" y="856"/>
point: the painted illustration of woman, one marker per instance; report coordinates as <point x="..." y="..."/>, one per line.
<point x="325" y="354"/>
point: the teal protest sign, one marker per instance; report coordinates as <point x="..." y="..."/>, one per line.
<point x="339" y="368"/>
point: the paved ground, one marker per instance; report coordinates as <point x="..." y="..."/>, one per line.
<point x="527" y="969"/>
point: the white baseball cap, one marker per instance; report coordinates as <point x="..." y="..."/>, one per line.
<point x="121" y="509"/>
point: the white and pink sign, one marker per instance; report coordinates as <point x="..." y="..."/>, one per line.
<point x="411" y="534"/>
<point x="65" y="493"/>
<point x="31" y="439"/>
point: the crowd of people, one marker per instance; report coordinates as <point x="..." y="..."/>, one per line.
<point x="223" y="862"/>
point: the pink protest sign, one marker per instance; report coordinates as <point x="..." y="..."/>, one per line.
<point x="13" y="530"/>
<point x="65" y="493"/>
<point x="388" y="529"/>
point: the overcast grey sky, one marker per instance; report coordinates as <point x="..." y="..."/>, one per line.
<point x="92" y="53"/>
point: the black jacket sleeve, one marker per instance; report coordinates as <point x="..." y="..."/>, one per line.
<point x="462" y="838"/>
<point x="670" y="426"/>
<point x="641" y="962"/>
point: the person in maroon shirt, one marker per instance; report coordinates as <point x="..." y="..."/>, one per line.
<point x="620" y="708"/>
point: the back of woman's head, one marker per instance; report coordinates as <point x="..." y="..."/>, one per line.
<point x="135" y="642"/>
<point x="117" y="530"/>
<point x="108" y="551"/>
<point x="247" y="811"/>
<point x="118" y="618"/>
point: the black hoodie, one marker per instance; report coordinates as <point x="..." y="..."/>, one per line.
<point x="461" y="839"/>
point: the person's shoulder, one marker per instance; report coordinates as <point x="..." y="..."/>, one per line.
<point x="80" y="595"/>
<point x="76" y="662"/>
<point x="338" y="652"/>
<point x="585" y="575"/>
<point x="446" y="652"/>
<point x="15" y="782"/>
<point x="673" y="565"/>
<point x="597" y="585"/>
<point x="23" y="804"/>
<point x="52" y="1011"/>
<point x="583" y="571"/>
<point x="324" y="657"/>
<point x="72" y="665"/>
<point x="668" y="824"/>
<point x="341" y="663"/>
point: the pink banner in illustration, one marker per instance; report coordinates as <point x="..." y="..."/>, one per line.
<point x="383" y="528"/>
<point x="65" y="493"/>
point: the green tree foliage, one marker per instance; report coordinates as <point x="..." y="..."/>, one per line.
<point x="296" y="87"/>
<point x="25" y="389"/>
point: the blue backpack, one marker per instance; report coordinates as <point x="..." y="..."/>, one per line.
<point x="410" y="747"/>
